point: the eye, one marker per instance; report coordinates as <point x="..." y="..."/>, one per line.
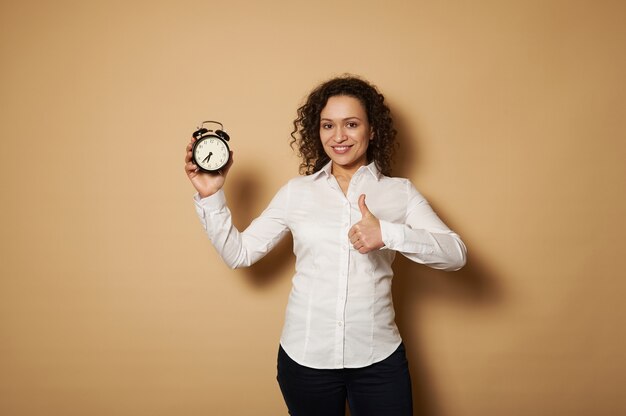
<point x="352" y="124"/>
<point x="327" y="126"/>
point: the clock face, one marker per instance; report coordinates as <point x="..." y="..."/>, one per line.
<point x="211" y="153"/>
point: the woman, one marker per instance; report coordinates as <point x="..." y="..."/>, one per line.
<point x="348" y="219"/>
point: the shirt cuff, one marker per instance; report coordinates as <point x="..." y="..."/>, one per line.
<point x="213" y="202"/>
<point x="392" y="234"/>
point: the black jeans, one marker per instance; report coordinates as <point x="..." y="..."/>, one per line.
<point x="381" y="389"/>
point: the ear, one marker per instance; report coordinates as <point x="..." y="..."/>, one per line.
<point x="371" y="133"/>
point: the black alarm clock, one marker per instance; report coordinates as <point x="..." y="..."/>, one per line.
<point x="210" y="152"/>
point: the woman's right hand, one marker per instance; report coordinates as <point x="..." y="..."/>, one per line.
<point x="205" y="183"/>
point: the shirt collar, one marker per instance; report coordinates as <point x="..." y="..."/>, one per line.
<point x="327" y="170"/>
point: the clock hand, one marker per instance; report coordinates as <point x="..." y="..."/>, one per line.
<point x="206" y="159"/>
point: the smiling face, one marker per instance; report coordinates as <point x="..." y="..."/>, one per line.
<point x="345" y="133"/>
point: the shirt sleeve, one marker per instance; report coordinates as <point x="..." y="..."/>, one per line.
<point x="242" y="249"/>
<point x="423" y="237"/>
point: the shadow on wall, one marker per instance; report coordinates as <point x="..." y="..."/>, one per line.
<point x="244" y="188"/>
<point x="413" y="283"/>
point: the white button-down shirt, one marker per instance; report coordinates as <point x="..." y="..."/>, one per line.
<point x="340" y="312"/>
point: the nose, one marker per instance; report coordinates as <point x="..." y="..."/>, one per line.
<point x="340" y="136"/>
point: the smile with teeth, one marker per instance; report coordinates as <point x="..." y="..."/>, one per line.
<point x="341" y="149"/>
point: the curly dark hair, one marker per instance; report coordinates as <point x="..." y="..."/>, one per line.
<point x="306" y="132"/>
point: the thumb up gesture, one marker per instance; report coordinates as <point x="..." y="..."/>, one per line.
<point x="365" y="235"/>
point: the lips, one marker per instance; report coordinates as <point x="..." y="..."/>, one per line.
<point x="341" y="149"/>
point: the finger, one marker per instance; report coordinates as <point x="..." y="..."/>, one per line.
<point x="190" y="167"/>
<point x="356" y="236"/>
<point x="362" y="206"/>
<point x="188" y="150"/>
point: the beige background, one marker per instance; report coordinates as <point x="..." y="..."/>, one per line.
<point x="512" y="123"/>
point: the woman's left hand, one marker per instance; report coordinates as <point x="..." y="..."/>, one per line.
<point x="365" y="235"/>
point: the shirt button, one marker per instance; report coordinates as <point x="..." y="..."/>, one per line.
<point x="340" y="323"/>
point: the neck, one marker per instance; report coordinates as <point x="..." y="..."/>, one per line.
<point x="344" y="171"/>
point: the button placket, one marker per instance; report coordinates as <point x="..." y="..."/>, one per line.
<point x="342" y="284"/>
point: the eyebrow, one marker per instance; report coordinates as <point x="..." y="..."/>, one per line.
<point x="343" y="119"/>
